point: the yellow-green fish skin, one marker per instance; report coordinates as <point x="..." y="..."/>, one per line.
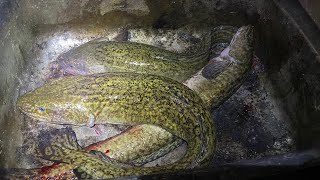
<point x="112" y="56"/>
<point x="99" y="56"/>
<point x="94" y="57"/>
<point x="128" y="98"/>
<point x="243" y="58"/>
<point x="138" y="145"/>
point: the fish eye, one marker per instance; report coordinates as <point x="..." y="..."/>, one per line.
<point x="42" y="109"/>
<point x="71" y="65"/>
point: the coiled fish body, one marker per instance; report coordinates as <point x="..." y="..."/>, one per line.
<point x="100" y="56"/>
<point x="233" y="64"/>
<point x="240" y="49"/>
<point x="124" y="98"/>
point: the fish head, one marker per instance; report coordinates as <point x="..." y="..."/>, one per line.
<point x="49" y="104"/>
<point x="68" y="65"/>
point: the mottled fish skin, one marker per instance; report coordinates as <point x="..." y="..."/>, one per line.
<point x="68" y="65"/>
<point x="126" y="98"/>
<point x="110" y="56"/>
<point x="129" y="147"/>
<point x="211" y="89"/>
<point x="135" y="145"/>
<point x="238" y="57"/>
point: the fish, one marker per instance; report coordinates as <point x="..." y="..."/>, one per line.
<point x="99" y="56"/>
<point x="238" y="55"/>
<point x="112" y="56"/>
<point x="81" y="61"/>
<point x="121" y="98"/>
<point x="136" y="152"/>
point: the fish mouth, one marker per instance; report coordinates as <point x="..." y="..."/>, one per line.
<point x="35" y="117"/>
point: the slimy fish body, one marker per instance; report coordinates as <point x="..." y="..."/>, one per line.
<point x="111" y="56"/>
<point x="217" y="87"/>
<point x="125" y="98"/>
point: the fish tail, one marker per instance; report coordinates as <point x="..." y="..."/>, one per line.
<point x="51" y="144"/>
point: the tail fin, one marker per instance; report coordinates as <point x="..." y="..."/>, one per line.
<point x="52" y="143"/>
